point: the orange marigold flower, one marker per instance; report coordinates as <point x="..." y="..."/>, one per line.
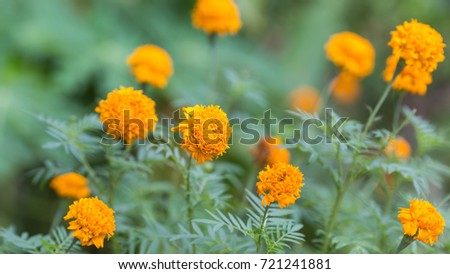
<point x="268" y="151"/>
<point x="205" y="131"/>
<point x="92" y="220"/>
<point x="422" y="221"/>
<point x="352" y="53"/>
<point x="306" y="98"/>
<point x="280" y="182"/>
<point x="345" y="88"/>
<point x="70" y="185"/>
<point x="127" y="114"/>
<point x="411" y="79"/>
<point x="216" y="16"/>
<point x="421" y="48"/>
<point x="398" y="148"/>
<point x="151" y="64"/>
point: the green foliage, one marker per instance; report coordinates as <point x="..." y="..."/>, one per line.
<point x="54" y="74"/>
<point x="279" y="233"/>
<point x="57" y="241"/>
<point x="427" y="135"/>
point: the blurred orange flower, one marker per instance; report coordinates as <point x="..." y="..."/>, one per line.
<point x="151" y="64"/>
<point x="70" y="185"/>
<point x="216" y="16"/>
<point x="398" y="148"/>
<point x="352" y="53"/>
<point x="345" y="88"/>
<point x="306" y="98"/>
<point x="268" y="151"/>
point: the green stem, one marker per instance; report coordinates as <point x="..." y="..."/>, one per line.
<point x="59" y="214"/>
<point x="143" y="87"/>
<point x="189" y="200"/>
<point x="406" y="241"/>
<point x="398" y="108"/>
<point x="341" y="190"/>
<point x="259" y="246"/>
<point x="446" y="199"/>
<point x="71" y="245"/>
<point x="114" y="178"/>
<point x="339" y="161"/>
<point x="372" y="116"/>
<point x="213" y="67"/>
<point x="377" y="107"/>
<point x="249" y="184"/>
<point x="332" y="220"/>
<point x="390" y="196"/>
<point x="91" y="173"/>
<point x="390" y="192"/>
<point x="127" y="151"/>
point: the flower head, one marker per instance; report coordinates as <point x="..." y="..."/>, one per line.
<point x="151" y="64"/>
<point x="345" y="88"/>
<point x="411" y="79"/>
<point x="268" y="151"/>
<point x="127" y="114"/>
<point x="421" y="48"/>
<point x="92" y="220"/>
<point x="422" y="221"/>
<point x="398" y="148"/>
<point x="280" y="182"/>
<point x="351" y="53"/>
<point x="70" y="185"/>
<point x="216" y="16"/>
<point x="205" y="131"/>
<point x="306" y="98"/>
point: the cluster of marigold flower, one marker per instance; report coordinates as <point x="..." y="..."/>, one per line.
<point x="417" y="44"/>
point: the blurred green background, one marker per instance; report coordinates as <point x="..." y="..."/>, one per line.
<point x="58" y="58"/>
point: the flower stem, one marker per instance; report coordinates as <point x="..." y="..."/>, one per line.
<point x="377" y="107"/>
<point x="390" y="191"/>
<point x="406" y="241"/>
<point x="188" y="198"/>
<point x="143" y="87"/>
<point x="341" y="190"/>
<point x="388" y="88"/>
<point x="259" y="247"/>
<point x="396" y="120"/>
<point x="332" y="220"/>
<point x="445" y="200"/>
<point x="71" y="245"/>
<point x="91" y="173"/>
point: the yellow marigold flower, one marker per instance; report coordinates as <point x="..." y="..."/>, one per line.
<point x="422" y="221"/>
<point x="70" y="185"/>
<point x="268" y="151"/>
<point x="422" y="48"/>
<point x="345" y="88"/>
<point x="352" y="53"/>
<point x="216" y="16"/>
<point x="306" y="98"/>
<point x="411" y="79"/>
<point x="205" y="131"/>
<point x="127" y="114"/>
<point x="151" y="64"/>
<point x="92" y="220"/>
<point x="398" y="148"/>
<point x="280" y="182"/>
